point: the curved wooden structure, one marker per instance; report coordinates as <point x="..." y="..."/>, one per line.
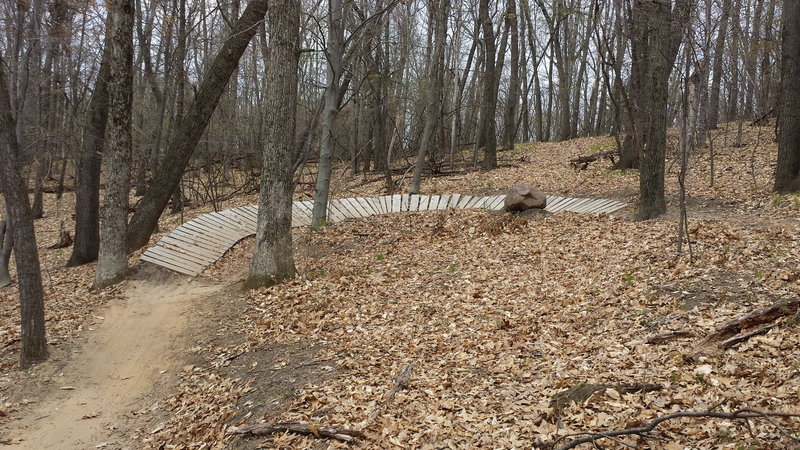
<point x="200" y="242"/>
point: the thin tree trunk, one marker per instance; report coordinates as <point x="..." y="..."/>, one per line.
<point x="488" y="126"/>
<point x="18" y="211"/>
<point x="273" y="259"/>
<point x="716" y="71"/>
<point x="334" y="53"/>
<point x="512" y="101"/>
<point x="6" y="245"/>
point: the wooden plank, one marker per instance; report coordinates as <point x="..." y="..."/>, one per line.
<point x="575" y="207"/>
<point x="579" y="208"/>
<point x="563" y="203"/>
<point x="240" y="222"/>
<point x="345" y="209"/>
<point x="245" y="219"/>
<point x="210" y="235"/>
<point x="188" y="268"/>
<point x="474" y="202"/>
<point x="396" y="203"/>
<point x="335" y="214"/>
<point x="413" y="203"/>
<point x="350" y="208"/>
<point x="366" y="205"/>
<point x="386" y="204"/>
<point x="220" y="221"/>
<point x="552" y="205"/>
<point x="405" y="202"/>
<point x="167" y="265"/>
<point x="615" y="207"/>
<point x="598" y="206"/>
<point x="179" y="253"/>
<point x="433" y="202"/>
<point x="463" y="201"/>
<point x="196" y="239"/>
<point x="210" y="228"/>
<point x="196" y="247"/>
<point x="424" y="202"/>
<point x="497" y="203"/>
<point x="176" y="259"/>
<point x="453" y="201"/>
<point x="375" y="203"/>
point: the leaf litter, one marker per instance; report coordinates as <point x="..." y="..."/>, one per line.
<point x="499" y="315"/>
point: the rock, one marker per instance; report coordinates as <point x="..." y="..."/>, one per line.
<point x="523" y="197"/>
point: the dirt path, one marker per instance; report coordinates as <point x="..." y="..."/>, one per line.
<point x="135" y="349"/>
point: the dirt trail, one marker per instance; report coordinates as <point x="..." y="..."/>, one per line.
<point x="129" y="354"/>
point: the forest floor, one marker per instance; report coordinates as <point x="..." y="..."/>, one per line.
<point x="498" y="315"/>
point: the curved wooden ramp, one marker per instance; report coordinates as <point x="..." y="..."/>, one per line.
<point x="200" y="242"/>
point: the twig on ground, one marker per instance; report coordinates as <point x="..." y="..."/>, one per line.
<point x="741" y="414"/>
<point x="318" y="431"/>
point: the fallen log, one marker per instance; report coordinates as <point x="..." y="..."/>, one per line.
<point x="318" y="431"/>
<point x="751" y="324"/>
<point x="582" y="162"/>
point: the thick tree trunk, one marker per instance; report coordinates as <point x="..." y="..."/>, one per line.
<point x="87" y="181"/>
<point x="191" y="128"/>
<point x="787" y="172"/>
<point x="660" y="31"/>
<point x="18" y="211"/>
<point x="112" y="259"/>
<point x="272" y="258"/>
<point x="335" y="51"/>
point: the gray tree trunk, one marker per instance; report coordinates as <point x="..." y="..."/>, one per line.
<point x="273" y="259"/>
<point x="716" y="76"/>
<point x="6" y="244"/>
<point x="112" y="258"/>
<point x="660" y="28"/>
<point x="488" y="127"/>
<point x="18" y="211"/>
<point x="87" y="180"/>
<point x="435" y="94"/>
<point x="335" y="51"/>
<point x="787" y="172"/>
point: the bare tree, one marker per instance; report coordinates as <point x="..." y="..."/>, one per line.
<point x="18" y="212"/>
<point x="112" y="259"/>
<point x="272" y="258"/>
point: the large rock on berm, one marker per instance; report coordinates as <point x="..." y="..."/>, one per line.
<point x="523" y="197"/>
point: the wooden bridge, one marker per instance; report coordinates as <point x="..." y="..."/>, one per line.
<point x="200" y="242"/>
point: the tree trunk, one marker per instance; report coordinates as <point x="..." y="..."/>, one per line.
<point x="716" y="77"/>
<point x="87" y="180"/>
<point x="787" y="172"/>
<point x="191" y="128"/>
<point x="334" y="52"/>
<point x="435" y="95"/>
<point x="272" y="258"/>
<point x="18" y="211"/>
<point x="488" y="127"/>
<point x="112" y="259"/>
<point x="659" y="33"/>
<point x="512" y="101"/>
<point x="6" y="244"/>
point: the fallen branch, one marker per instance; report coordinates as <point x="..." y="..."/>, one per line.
<point x="663" y="338"/>
<point x="321" y="431"/>
<point x="581" y="392"/>
<point x="751" y="324"/>
<point x="582" y="162"/>
<point x="400" y="382"/>
<point x="742" y="414"/>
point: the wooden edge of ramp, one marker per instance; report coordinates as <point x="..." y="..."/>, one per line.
<point x="200" y="242"/>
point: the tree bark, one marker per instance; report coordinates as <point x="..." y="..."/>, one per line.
<point x="87" y="180"/>
<point x="660" y="31"/>
<point x="6" y="245"/>
<point x="334" y="53"/>
<point x="435" y="95"/>
<point x="191" y="128"/>
<point x="273" y="259"/>
<point x="112" y="259"/>
<point x="716" y="77"/>
<point x="512" y="101"/>
<point x="18" y="211"/>
<point x="787" y="172"/>
<point x="488" y="127"/>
